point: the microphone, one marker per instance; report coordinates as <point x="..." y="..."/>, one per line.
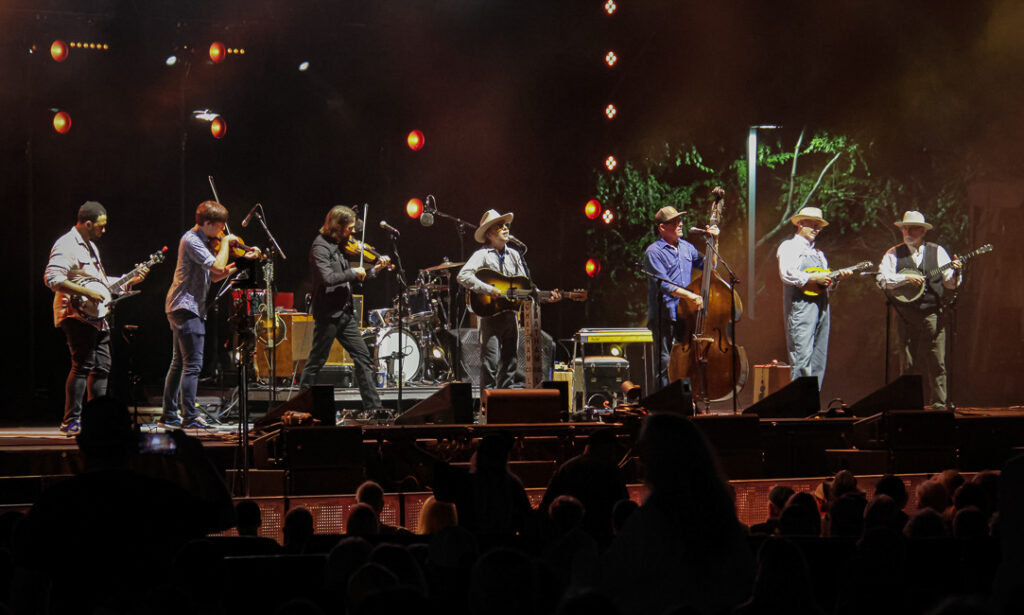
<point x="694" y="229"/>
<point x="512" y="239"/>
<point x="249" y="215"/>
<point x="429" y="207"/>
<point x="387" y="227"/>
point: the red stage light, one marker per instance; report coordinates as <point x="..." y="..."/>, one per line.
<point x="611" y="111"/>
<point x="610" y="7"/>
<point x="414" y="208"/>
<point x="610" y="163"/>
<point x="217" y="52"/>
<point x="608" y="216"/>
<point x="611" y="59"/>
<point x="59" y="50"/>
<point x="592" y="267"/>
<point x="62" y="122"/>
<point x="592" y="209"/>
<point x="416" y="140"/>
<point x="218" y="128"/>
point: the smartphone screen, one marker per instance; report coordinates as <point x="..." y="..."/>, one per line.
<point x="157" y="444"/>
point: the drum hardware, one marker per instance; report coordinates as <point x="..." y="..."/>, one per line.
<point x="444" y="266"/>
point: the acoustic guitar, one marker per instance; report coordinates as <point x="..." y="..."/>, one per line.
<point x="514" y="290"/>
<point x="908" y="293"/>
<point x="815" y="289"/>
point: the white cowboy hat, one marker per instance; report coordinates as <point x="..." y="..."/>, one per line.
<point x="491" y="217"/>
<point x="808" y="213"/>
<point x="913" y="218"/>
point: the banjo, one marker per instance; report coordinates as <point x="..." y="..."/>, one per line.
<point x="908" y="293"/>
<point x="97" y="309"/>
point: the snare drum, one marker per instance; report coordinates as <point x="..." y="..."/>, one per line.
<point x="387" y="345"/>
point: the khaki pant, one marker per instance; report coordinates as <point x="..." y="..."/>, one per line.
<point x="923" y="351"/>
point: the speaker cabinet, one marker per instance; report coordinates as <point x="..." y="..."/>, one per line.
<point x="796" y="400"/>
<point x="453" y="404"/>
<point x="521" y="405"/>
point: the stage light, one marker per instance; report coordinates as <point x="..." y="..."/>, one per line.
<point x="416" y="140"/>
<point x="611" y="59"/>
<point x="615" y="350"/>
<point x="611" y="111"/>
<point x="59" y="50"/>
<point x="171" y="60"/>
<point x="592" y="267"/>
<point x="61" y="122"/>
<point x="218" y="127"/>
<point x="610" y="163"/>
<point x="610" y="7"/>
<point x="592" y="209"/>
<point x="414" y="208"/>
<point x="608" y="216"/>
<point x="217" y="52"/>
<point x="303" y="66"/>
<point x="437" y="353"/>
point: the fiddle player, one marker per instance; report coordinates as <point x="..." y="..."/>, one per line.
<point x="186" y="309"/>
<point x="921" y="325"/>
<point x="673" y="258"/>
<point x="76" y="253"/>
<point x="332" y="306"/>
<point x="806" y="318"/>
<point x="499" y="334"/>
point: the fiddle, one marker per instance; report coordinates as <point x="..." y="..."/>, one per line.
<point x="238" y="249"/>
<point x="356" y="248"/>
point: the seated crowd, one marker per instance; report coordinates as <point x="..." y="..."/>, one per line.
<point x="139" y="534"/>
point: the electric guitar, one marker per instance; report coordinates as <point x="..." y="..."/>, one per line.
<point x="514" y="290"/>
<point x="908" y="293"/>
<point x="814" y="289"/>
<point x="97" y="309"/>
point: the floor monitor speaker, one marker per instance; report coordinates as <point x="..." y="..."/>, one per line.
<point x="453" y="404"/>
<point x="798" y="399"/>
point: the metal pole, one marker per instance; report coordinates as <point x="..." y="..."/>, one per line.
<point x="751" y="216"/>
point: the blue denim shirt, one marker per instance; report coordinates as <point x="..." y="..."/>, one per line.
<point x="672" y="263"/>
<point x="191" y="275"/>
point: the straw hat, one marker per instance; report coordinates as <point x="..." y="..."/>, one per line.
<point x="491" y="217"/>
<point x="913" y="218"/>
<point x="667" y="214"/>
<point x="808" y="213"/>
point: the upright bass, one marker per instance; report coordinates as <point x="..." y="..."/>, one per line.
<point x="707" y="354"/>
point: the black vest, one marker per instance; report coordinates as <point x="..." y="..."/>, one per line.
<point x="933" y="289"/>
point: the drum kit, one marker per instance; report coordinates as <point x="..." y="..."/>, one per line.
<point x="425" y="313"/>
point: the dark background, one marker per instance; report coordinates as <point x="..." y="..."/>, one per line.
<point x="510" y="96"/>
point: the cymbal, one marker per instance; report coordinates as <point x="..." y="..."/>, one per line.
<point x="444" y="266"/>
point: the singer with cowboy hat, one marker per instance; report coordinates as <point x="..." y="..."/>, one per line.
<point x="499" y="334"/>
<point x="921" y="326"/>
<point x="806" y="318"/>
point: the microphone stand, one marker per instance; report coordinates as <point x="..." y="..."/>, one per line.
<point x="268" y="273"/>
<point x="402" y="289"/>
<point x="661" y="304"/>
<point x="733" y="281"/>
<point x="461" y="226"/>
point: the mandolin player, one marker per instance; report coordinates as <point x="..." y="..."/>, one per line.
<point x="921" y="326"/>
<point x="74" y="258"/>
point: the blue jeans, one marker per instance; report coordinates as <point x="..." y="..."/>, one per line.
<point x="90" y="365"/>
<point x="188" y="333"/>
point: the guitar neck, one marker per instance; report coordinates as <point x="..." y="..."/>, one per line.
<point x="942" y="268"/>
<point x="118" y="286"/>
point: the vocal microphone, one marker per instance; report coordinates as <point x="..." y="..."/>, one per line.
<point x="248" y="216"/>
<point x="429" y="207"/>
<point x="516" y="242"/>
<point x="694" y="229"/>
<point x="387" y="227"/>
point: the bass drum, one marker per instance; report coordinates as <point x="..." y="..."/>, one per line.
<point x="387" y="347"/>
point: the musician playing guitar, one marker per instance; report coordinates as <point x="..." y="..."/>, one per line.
<point x="806" y="317"/>
<point x="499" y="334"/>
<point x="75" y="256"/>
<point x="921" y="326"/>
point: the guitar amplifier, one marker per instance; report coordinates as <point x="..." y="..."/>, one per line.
<point x="769" y="378"/>
<point x="598" y="379"/>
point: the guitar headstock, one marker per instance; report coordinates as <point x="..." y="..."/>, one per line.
<point x="863" y="265"/>
<point x="985" y="248"/>
<point x="578" y="295"/>
<point x="717" y="205"/>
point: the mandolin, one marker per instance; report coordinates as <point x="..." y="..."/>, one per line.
<point x="514" y="290"/>
<point x="814" y="289"/>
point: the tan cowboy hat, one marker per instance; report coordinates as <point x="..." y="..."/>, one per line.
<point x="913" y="218"/>
<point x="491" y="217"/>
<point x="809" y="213"/>
<point x="667" y="214"/>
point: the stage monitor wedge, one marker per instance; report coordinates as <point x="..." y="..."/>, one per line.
<point x="904" y="393"/>
<point x="798" y="399"/>
<point x="452" y="405"/>
<point x="318" y="400"/>
<point x="677" y="397"/>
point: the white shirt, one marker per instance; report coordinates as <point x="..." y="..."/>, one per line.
<point x="888" y="278"/>
<point x="71" y="252"/>
<point x="791" y="254"/>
